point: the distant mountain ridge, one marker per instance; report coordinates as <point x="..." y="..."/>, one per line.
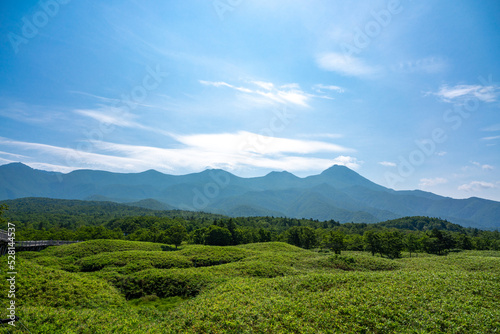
<point x="337" y="193"/>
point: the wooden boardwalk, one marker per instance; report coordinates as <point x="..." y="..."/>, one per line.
<point x="34" y="244"/>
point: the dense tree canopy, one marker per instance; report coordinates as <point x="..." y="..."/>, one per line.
<point x="44" y="219"/>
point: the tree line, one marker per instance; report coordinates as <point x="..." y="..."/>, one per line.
<point x="390" y="238"/>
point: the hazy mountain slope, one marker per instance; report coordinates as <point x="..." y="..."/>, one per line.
<point x="337" y="193"/>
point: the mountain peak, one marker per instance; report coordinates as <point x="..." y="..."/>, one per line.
<point x="282" y="174"/>
<point x="338" y="168"/>
<point x="341" y="176"/>
<point x="16" y="165"/>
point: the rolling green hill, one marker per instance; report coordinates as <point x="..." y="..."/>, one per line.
<point x="130" y="287"/>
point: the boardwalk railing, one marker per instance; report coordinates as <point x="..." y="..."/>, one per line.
<point x="4" y="236"/>
<point x="39" y="243"/>
<point x="31" y="245"/>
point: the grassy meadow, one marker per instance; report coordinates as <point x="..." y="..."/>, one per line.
<point x="116" y="286"/>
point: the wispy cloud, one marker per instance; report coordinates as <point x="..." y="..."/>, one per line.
<point x="345" y="64"/>
<point x="248" y="142"/>
<point x="387" y="164"/>
<point x="476" y="186"/>
<point x="491" y="138"/>
<point x="31" y="113"/>
<point x="225" y="84"/>
<point x="111" y="116"/>
<point x="233" y="151"/>
<point x="459" y="92"/>
<point x="492" y="128"/>
<point x="13" y="155"/>
<point x="485" y="167"/>
<point x="115" y="116"/>
<point x="426" y="65"/>
<point x="285" y="94"/>
<point x="430" y="182"/>
<point x="270" y="85"/>
<point x="348" y="161"/>
<point x="320" y="88"/>
<point x="70" y="158"/>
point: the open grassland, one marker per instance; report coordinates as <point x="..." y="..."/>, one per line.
<point x="109" y="286"/>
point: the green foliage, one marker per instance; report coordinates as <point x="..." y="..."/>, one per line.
<point x="91" y="247"/>
<point x="3" y="208"/>
<point x="335" y="241"/>
<point x="203" y="256"/>
<point x="39" y="285"/>
<point x="154" y="302"/>
<point x="166" y="283"/>
<point x="268" y="286"/>
<point x="218" y="236"/>
<point x="302" y="236"/>
<point x="392" y="244"/>
<point x="133" y="261"/>
<point x="437" y="242"/>
<point x="419" y="223"/>
<point x="354" y="262"/>
<point x="176" y="235"/>
<point x="263" y="287"/>
<point x="373" y="242"/>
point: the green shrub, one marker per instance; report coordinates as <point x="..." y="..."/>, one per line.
<point x="134" y="260"/>
<point x="203" y="256"/>
<point x="38" y="285"/>
<point x="91" y="247"/>
<point x="166" y="283"/>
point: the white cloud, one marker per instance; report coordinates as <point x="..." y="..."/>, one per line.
<point x="110" y="116"/>
<point x="348" y="161"/>
<point x="269" y="85"/>
<point x="432" y="182"/>
<point x="13" y="155"/>
<point x="285" y="94"/>
<point x="485" y="167"/>
<point x="459" y="92"/>
<point x="344" y="64"/>
<point x="476" y="186"/>
<point x="441" y="153"/>
<point x="426" y="65"/>
<point x="492" y="128"/>
<point x="224" y="84"/>
<point x="491" y="138"/>
<point x="241" y="151"/>
<point x="72" y="158"/>
<point x="387" y="164"/>
<point x="248" y="142"/>
<point x="320" y="88"/>
<point x="290" y="86"/>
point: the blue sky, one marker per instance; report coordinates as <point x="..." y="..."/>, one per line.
<point x="407" y="93"/>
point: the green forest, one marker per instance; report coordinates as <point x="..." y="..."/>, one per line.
<point x="49" y="219"/>
<point x="144" y="271"/>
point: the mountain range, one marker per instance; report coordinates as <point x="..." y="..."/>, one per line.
<point x="337" y="193"/>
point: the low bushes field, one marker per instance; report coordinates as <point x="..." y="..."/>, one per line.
<point x="116" y="286"/>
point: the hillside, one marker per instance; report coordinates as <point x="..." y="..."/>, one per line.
<point x="114" y="286"/>
<point x="337" y="193"/>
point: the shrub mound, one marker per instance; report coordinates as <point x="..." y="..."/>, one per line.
<point x="134" y="260"/>
<point x="91" y="247"/>
<point x="203" y="256"/>
<point x="38" y="285"/>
